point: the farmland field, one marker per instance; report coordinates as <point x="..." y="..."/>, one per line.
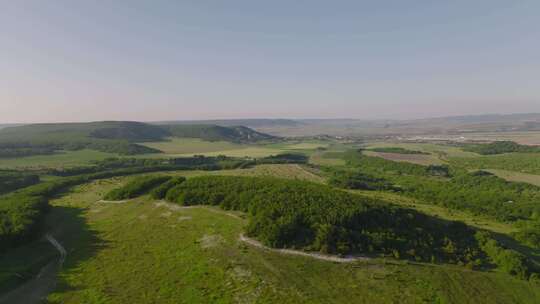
<point x="185" y="147"/>
<point x="436" y="149"/>
<point x="60" y="159"/>
<point x="523" y="137"/>
<point x="176" y="146"/>
<point x="517" y="176"/>
<point x="143" y="251"/>
<point x="518" y="162"/>
<point x="420" y="159"/>
<point x="325" y="159"/>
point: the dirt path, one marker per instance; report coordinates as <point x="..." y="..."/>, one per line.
<point x="37" y="289"/>
<point x="255" y="243"/>
<point x="176" y="207"/>
<point x="318" y="256"/>
<point x="112" y="202"/>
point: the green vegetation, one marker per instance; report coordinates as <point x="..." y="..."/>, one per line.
<point x="151" y="257"/>
<point x="516" y="176"/>
<point x="518" y="162"/>
<point x="381" y="165"/>
<point x="119" y="252"/>
<point x="398" y="150"/>
<point x="442" y="151"/>
<point x="21" y="211"/>
<point x="297" y="214"/>
<point x="477" y="192"/>
<point x="500" y="147"/>
<point x="191" y="146"/>
<point x="217" y="133"/>
<point x="110" y="136"/>
<point x="60" y="159"/>
<point x="136" y="187"/>
<point x="13" y="180"/>
<point x="136" y="253"/>
<point x="359" y="181"/>
<point x="508" y="260"/>
<point x="161" y="191"/>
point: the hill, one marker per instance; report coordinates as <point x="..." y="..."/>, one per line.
<point x="120" y="137"/>
<point x="124" y="130"/>
<point x="250" y="122"/>
<point x="143" y="249"/>
<point x="218" y="133"/>
<point x="107" y="136"/>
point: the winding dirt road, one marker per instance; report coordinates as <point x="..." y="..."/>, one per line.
<point x="318" y="256"/>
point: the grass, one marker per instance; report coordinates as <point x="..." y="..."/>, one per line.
<point x="326" y="159"/>
<point x="185" y="147"/>
<point x="58" y="160"/>
<point x="420" y="159"/>
<point x="517" y="162"/>
<point x="141" y="253"/>
<point x="443" y="151"/>
<point x="441" y="212"/>
<point x="517" y="176"/>
<point x="176" y="147"/>
<point x="191" y="146"/>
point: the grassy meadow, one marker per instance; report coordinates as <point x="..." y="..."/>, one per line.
<point x="62" y="159"/>
<point x="144" y="251"/>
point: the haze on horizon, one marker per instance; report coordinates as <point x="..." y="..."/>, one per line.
<point x="184" y="60"/>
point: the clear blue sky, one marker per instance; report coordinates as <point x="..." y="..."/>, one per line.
<point x="162" y="60"/>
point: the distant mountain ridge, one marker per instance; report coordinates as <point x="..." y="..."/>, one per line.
<point x="111" y="136"/>
<point x="249" y="122"/>
<point x="218" y="133"/>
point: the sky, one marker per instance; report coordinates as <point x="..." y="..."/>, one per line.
<point x="180" y="60"/>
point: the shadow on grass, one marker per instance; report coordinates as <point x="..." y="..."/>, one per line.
<point x="29" y="273"/>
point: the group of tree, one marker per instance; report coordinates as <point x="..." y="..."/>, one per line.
<point x="397" y="150"/>
<point x="302" y="215"/>
<point x="500" y="147"/>
<point x="136" y="187"/>
<point x="13" y="180"/>
<point x="479" y="192"/>
<point x="378" y="166"/>
<point x="21" y="211"/>
<point x="197" y="162"/>
<point x="121" y="137"/>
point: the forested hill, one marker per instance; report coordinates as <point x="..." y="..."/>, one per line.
<point x="121" y="130"/>
<point x="217" y="133"/>
<point x="120" y="137"/>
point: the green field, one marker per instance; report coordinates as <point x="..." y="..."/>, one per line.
<point x="518" y="162"/>
<point x="443" y="151"/>
<point x="517" y="176"/>
<point x="173" y="147"/>
<point x="140" y="252"/>
<point x="185" y="147"/>
<point x="325" y="159"/>
<point x="58" y="160"/>
<point x="180" y="146"/>
<point x="420" y="159"/>
<point x="441" y="212"/>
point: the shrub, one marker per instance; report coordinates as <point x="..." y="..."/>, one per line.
<point x="161" y="191"/>
<point x="136" y="187"/>
<point x="287" y="213"/>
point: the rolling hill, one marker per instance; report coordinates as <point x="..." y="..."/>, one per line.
<point x="218" y="133"/>
<point x="120" y="137"/>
